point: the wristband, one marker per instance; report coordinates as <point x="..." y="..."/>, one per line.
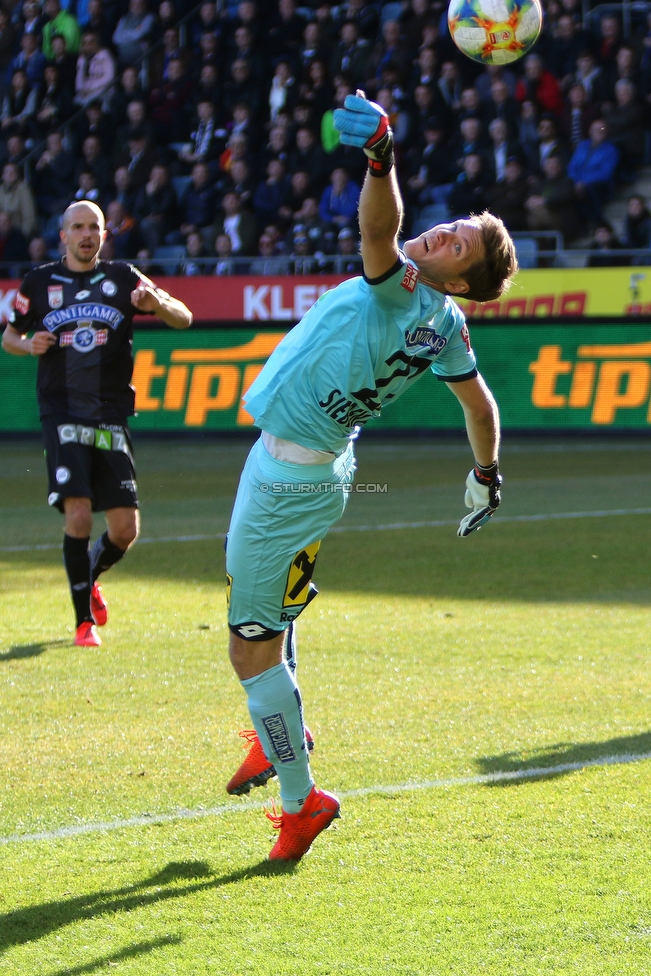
<point x="487" y="475"/>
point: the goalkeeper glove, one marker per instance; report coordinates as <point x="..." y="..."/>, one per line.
<point x="365" y="124"/>
<point x="482" y="495"/>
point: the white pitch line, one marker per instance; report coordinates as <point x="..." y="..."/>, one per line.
<point x="486" y="779"/>
<point x="436" y="524"/>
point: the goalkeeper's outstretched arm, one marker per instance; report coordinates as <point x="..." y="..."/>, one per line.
<point x="365" y="124"/>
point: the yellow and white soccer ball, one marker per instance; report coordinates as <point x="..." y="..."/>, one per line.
<point x="495" y="31"/>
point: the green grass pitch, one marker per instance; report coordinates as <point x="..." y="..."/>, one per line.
<point x="441" y="678"/>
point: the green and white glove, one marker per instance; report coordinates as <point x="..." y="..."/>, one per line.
<point x="483" y="496"/>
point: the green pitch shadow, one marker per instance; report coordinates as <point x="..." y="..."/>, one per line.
<point x="36" y="921"/>
<point x="138" y="949"/>
<point x="560" y="754"/>
<point x="30" y="650"/>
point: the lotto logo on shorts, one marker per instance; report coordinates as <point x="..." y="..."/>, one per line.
<point x="410" y="278"/>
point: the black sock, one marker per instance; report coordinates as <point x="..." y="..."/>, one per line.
<point x="103" y="555"/>
<point x="77" y="563"/>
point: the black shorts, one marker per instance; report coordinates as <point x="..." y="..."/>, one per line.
<point x="86" y="461"/>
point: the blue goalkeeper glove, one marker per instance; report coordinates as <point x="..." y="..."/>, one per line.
<point x="482" y="495"/>
<point x="366" y="124"/>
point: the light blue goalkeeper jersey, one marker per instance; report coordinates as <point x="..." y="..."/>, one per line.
<point x="359" y="346"/>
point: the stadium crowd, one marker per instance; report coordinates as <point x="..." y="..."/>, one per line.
<point x="208" y="129"/>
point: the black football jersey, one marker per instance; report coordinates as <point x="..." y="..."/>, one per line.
<point x="87" y="373"/>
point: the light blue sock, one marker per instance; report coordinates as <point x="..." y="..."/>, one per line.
<point x="277" y="714"/>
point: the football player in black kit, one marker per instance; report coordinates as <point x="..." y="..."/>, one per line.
<point x="81" y="311"/>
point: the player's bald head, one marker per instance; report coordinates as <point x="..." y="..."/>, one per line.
<point x="81" y="210"/>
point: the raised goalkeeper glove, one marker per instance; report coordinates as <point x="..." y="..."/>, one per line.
<point x="366" y="124"/>
<point x="482" y="495"/>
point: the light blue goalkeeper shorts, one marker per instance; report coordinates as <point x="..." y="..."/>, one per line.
<point x="281" y="514"/>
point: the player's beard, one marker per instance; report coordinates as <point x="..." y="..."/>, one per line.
<point x="88" y="256"/>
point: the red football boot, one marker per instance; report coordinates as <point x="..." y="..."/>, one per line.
<point x="87" y="636"/>
<point x="298" y="830"/>
<point x="98" y="605"/>
<point x="256" y="769"/>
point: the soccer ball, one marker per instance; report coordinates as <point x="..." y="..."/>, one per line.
<point x="494" y="31"/>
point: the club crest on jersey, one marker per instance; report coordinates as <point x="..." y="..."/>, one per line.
<point x="109" y="288"/>
<point x="409" y="278"/>
<point x="55" y="296"/>
<point x="84" y="338"/>
<point x="425" y="338"/>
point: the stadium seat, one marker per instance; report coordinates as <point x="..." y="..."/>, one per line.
<point x="433" y="213"/>
<point x="526" y="249"/>
<point x="180" y="185"/>
<point x="170" y="257"/>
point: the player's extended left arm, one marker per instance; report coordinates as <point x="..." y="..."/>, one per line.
<point x="148" y="297"/>
<point x="483" y="484"/>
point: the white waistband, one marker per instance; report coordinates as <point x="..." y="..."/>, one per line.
<point x="294" y="453"/>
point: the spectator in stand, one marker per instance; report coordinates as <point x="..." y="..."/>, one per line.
<point x="240" y="87"/>
<point x="340" y="200"/>
<point x="283" y="93"/>
<point x="208" y="53"/>
<point x="95" y="70"/>
<point x="87" y="188"/>
<point x="7" y="46"/>
<point x="198" y="206"/>
<point x="95" y="122"/>
<point x="65" y="63"/>
<point x="539" y="85"/>
<point x="506" y="198"/>
<point x="549" y="142"/>
<point x="123" y="189"/>
<point x="54" y="176"/>
<point x="239" y="179"/>
<point x="436" y="169"/>
<point x="389" y="48"/>
<point x="238" y="224"/>
<point x="302" y="260"/>
<point x="577" y="116"/>
<point x="16" y="150"/>
<point x="606" y="43"/>
<point x="502" y="146"/>
<point x="285" y="31"/>
<point x="155" y="208"/>
<point x="552" y="203"/>
<point x="321" y="234"/>
<point x="13" y="245"/>
<point x="53" y="101"/>
<point x="310" y="157"/>
<point x="605" y="239"/>
<point x="139" y="157"/>
<point x="398" y="119"/>
<point x="350" y="55"/>
<point x="450" y="86"/>
<point x="425" y="107"/>
<point x="425" y="70"/>
<point x="127" y="90"/>
<point x="195" y="261"/>
<point x="347" y="260"/>
<point x="278" y="145"/>
<point x="272" y="194"/>
<point x="208" y="140"/>
<point x="268" y="261"/>
<point x="59" y="21"/>
<point x="317" y="90"/>
<point x="492" y="73"/>
<point x="627" y="129"/>
<point x="299" y="188"/>
<point x="592" y="168"/>
<point x="28" y="19"/>
<point x="122" y="229"/>
<point x="469" y="140"/>
<point x="500" y="104"/>
<point x="206" y="20"/>
<point x="37" y="250"/>
<point x="207" y="88"/>
<point x="568" y="42"/>
<point x="94" y="160"/>
<point x="637" y="223"/>
<point x="313" y="47"/>
<point x="160" y="58"/>
<point x="133" y="32"/>
<point x="168" y="104"/>
<point x="16" y="199"/>
<point x="18" y="105"/>
<point x="224" y="252"/>
<point x="468" y="193"/>
<point x="30" y="60"/>
<point x="471" y="105"/>
<point x="91" y="15"/>
<point x="592" y="77"/>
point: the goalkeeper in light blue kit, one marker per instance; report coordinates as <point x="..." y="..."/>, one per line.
<point x="361" y="345"/>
